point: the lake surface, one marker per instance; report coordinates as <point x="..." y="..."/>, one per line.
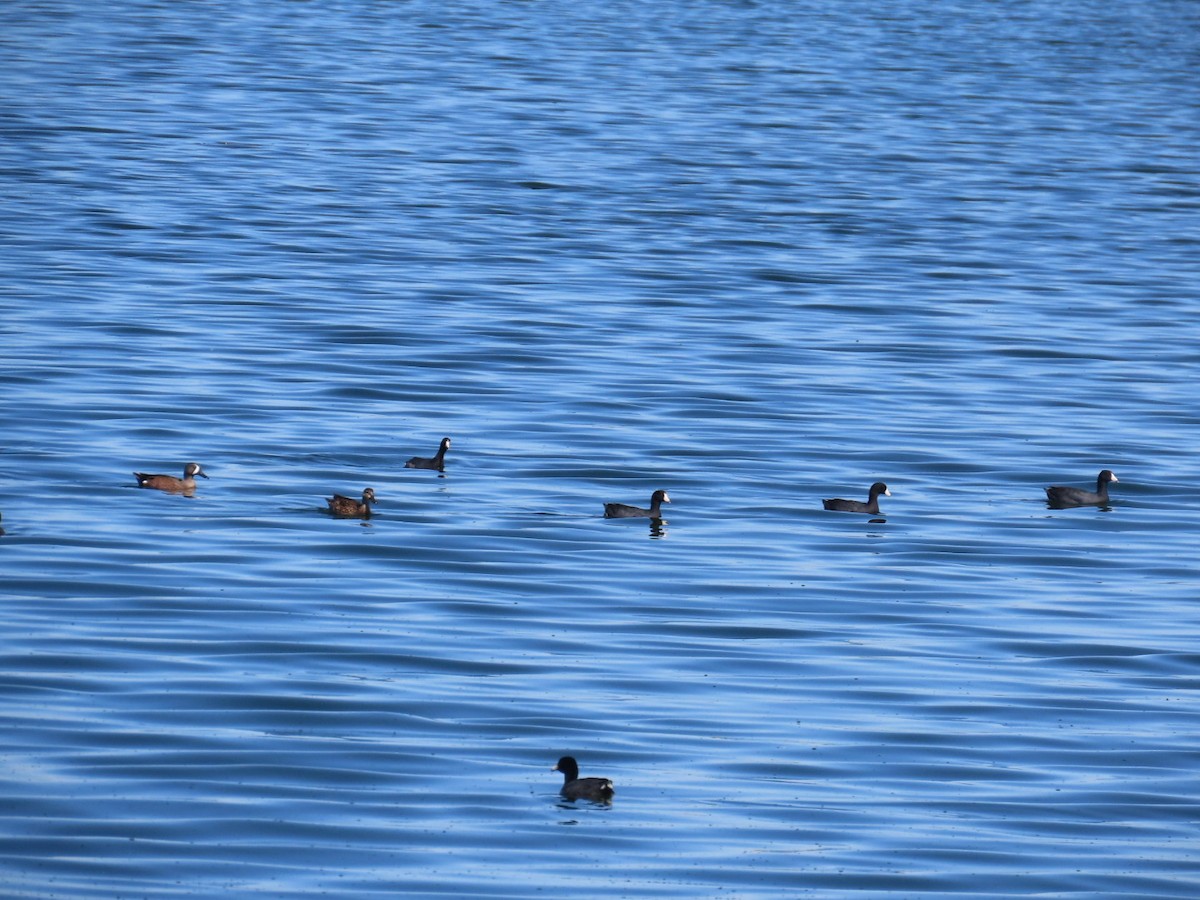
<point x="756" y="254"/>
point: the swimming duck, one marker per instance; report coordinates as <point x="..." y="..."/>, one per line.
<point x="348" y="506"/>
<point x="170" y="483"/>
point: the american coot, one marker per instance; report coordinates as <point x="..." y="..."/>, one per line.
<point x="1059" y="497"/>
<point x="348" y="506"/>
<point x="871" y="506"/>
<point x="624" y="511"/>
<point x="599" y="790"/>
<point x="184" y="485"/>
<point x="431" y="462"/>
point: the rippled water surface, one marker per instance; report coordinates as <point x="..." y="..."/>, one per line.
<point x="756" y="254"/>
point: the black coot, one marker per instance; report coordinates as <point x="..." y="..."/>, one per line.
<point x="871" y="506"/>
<point x="624" y="511"/>
<point x="437" y="461"/>
<point x="598" y="790"/>
<point x="1060" y="497"/>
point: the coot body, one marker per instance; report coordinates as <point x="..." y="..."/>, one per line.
<point x="598" y="790"/>
<point x="625" y="511"/>
<point x="1060" y="497"/>
<point x="871" y="506"/>
<point x="437" y="461"/>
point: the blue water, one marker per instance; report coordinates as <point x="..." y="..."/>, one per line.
<point x="756" y="254"/>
